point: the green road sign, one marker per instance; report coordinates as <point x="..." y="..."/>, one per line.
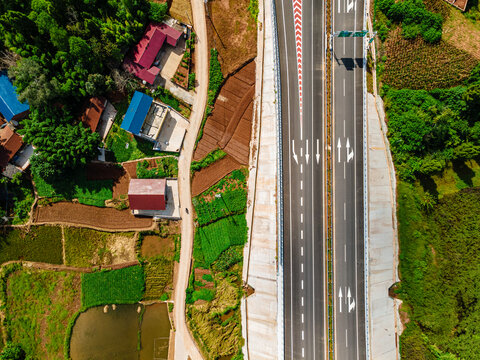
<point x="362" y="33"/>
<point x="345" y="34"/>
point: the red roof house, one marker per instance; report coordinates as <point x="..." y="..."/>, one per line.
<point x="147" y="194"/>
<point x="139" y="62"/>
<point x="93" y="112"/>
<point x="10" y="143"/>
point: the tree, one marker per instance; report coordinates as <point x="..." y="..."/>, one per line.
<point x="12" y="351"/>
<point x="32" y="83"/>
<point x="431" y="166"/>
<point x="157" y="11"/>
<point x="466" y="151"/>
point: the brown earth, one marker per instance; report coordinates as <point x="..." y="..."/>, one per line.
<point x="208" y="176"/>
<point x="91" y="216"/>
<point x="153" y="245"/>
<point x="230" y="124"/>
<point x="181" y="10"/>
<point x="232" y="31"/>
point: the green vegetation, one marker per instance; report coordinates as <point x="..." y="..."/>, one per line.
<point x="439" y="253"/>
<point x="66" y="51"/>
<point x="215" y="81"/>
<point x="38" y="308"/>
<point x="213" y="295"/>
<point x="75" y="185"/>
<point x="158" y="275"/>
<point x="166" y="97"/>
<point x="165" y="167"/>
<point x="428" y="129"/>
<point x="20" y="198"/>
<point x="209" y="159"/>
<point x="40" y="243"/>
<point x="123" y="286"/>
<point x="191" y="81"/>
<point x="12" y="351"/>
<point x="157" y="11"/>
<point x="414" y="18"/>
<point x="253" y="9"/>
<point x="85" y="247"/>
<point x="127" y="147"/>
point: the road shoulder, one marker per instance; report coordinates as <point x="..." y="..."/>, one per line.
<point x="383" y="249"/>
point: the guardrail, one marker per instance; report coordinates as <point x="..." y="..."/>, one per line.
<point x="365" y="181"/>
<point x="278" y="108"/>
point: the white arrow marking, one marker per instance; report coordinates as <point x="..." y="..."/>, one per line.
<point x="350" y="5"/>
<point x="339" y="146"/>
<point x="349" y="154"/>
<point x="351" y="305"/>
<point x="340" y="295"/>
<point x="307" y="155"/>
<point x="293" y="150"/>
<point x="318" y="153"/>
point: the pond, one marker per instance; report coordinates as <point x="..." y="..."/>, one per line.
<point x="122" y="334"/>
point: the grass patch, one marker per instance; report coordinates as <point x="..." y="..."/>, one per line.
<point x="123" y="286"/>
<point x="17" y="198"/>
<point x="209" y="159"/>
<point x="158" y="275"/>
<point x="165" y="167"/>
<point x="86" y="247"/>
<point x="75" y="186"/>
<point x="41" y="243"/>
<point x="38" y="309"/>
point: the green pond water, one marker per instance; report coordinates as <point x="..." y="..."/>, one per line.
<point x="115" y="334"/>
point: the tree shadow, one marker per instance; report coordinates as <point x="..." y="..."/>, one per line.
<point x="464" y="172"/>
<point x="428" y="185"/>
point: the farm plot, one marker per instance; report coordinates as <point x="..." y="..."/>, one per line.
<point x="224" y="204"/>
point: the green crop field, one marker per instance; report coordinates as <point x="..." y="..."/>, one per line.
<point x="158" y="274"/>
<point x="220" y="235"/>
<point x="41" y="243"/>
<point x="124" y="286"/>
<point x="227" y="203"/>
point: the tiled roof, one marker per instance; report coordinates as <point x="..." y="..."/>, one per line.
<point x="10" y="143"/>
<point x="93" y="112"/>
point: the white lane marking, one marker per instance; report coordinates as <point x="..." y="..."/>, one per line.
<point x="301" y="184"/>
<point x="301" y="168"/>
<point x="303" y="320"/>
<point x="344" y="47"/>
<point x="345" y="252"/>
<point x="293" y="151"/>
<point x="301" y="152"/>
<point x="301" y="234"/>
<point x="344" y="211"/>
<point x="301" y="200"/>
<point x="302" y="300"/>
<point x="301" y="218"/>
<point x="303" y="352"/>
<point x="339" y="6"/>
<point x="301" y="250"/>
<point x="302" y="284"/>
<point x="302" y="267"/>
<point x="303" y="335"/>
<point x="343" y="86"/>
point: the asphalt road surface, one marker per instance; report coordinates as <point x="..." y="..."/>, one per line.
<point x="303" y="178"/>
<point x="348" y="182"/>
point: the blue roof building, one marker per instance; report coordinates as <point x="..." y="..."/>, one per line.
<point x="10" y="107"/>
<point x="137" y="113"/>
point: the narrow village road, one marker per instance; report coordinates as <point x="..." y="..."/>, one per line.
<point x="184" y="344"/>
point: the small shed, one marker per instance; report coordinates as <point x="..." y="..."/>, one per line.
<point x="10" y="107"/>
<point x="147" y="194"/>
<point x="137" y="112"/>
<point x="93" y="112"/>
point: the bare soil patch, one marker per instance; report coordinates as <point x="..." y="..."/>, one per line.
<point x="230" y="124"/>
<point x="91" y="216"/>
<point x="462" y="34"/>
<point x="181" y="10"/>
<point x="207" y="177"/>
<point x="233" y="32"/>
<point x="122" y="249"/>
<point x="153" y="245"/>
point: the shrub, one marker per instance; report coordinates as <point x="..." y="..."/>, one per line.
<point x="166" y="97"/>
<point x="166" y="167"/>
<point x="209" y="159"/>
<point x="203" y="294"/>
<point x="123" y="286"/>
<point x="191" y="81"/>
<point x="253" y="9"/>
<point x="157" y="11"/>
<point x="228" y="258"/>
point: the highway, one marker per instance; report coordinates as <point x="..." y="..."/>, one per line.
<point x="348" y="207"/>
<point x="302" y="50"/>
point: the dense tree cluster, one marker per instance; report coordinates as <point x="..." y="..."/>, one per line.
<point x="428" y="129"/>
<point x="415" y="19"/>
<point x="63" y="51"/>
